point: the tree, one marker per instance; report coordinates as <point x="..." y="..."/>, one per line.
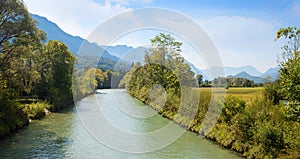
<point x="199" y="78"/>
<point x="56" y="72"/>
<point x="165" y="51"/>
<point x="19" y="37"/>
<point x="17" y="28"/>
<point x="290" y="70"/>
<point x="290" y="63"/>
<point x="164" y="71"/>
<point x="125" y="80"/>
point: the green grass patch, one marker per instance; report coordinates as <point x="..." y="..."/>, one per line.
<point x="245" y="93"/>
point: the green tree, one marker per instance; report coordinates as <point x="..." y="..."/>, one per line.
<point x="290" y="70"/>
<point x="17" y="28"/>
<point x="290" y="63"/>
<point x="19" y="41"/>
<point x="19" y="37"/>
<point x="164" y="71"/>
<point x="56" y="73"/>
<point x="165" y="51"/>
<point x="125" y="80"/>
<point x="199" y="79"/>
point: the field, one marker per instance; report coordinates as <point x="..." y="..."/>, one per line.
<point x="244" y="93"/>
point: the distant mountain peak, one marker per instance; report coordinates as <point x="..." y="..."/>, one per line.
<point x="243" y="73"/>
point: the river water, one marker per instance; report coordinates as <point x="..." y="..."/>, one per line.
<point x="108" y="125"/>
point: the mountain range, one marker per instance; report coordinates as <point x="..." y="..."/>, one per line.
<point x="124" y="55"/>
<point x="248" y="72"/>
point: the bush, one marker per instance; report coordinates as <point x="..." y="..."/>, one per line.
<point x="36" y="110"/>
<point x="11" y="115"/>
<point x="232" y="106"/>
<point x="272" y="92"/>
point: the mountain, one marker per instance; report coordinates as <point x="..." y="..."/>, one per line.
<point x="272" y="72"/>
<point x="118" y="50"/>
<point x="244" y="74"/>
<point x="79" y="46"/>
<point x="131" y="54"/>
<point x="248" y="71"/>
<point x="73" y="42"/>
<point x="55" y="33"/>
<point x="230" y="71"/>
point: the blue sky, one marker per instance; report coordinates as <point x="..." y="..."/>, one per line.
<point x="242" y="30"/>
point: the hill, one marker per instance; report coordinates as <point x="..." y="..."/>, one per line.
<point x="79" y="46"/>
<point x="244" y="74"/>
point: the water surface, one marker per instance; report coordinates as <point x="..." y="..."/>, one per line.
<point x="63" y="135"/>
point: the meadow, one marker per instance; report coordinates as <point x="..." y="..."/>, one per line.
<point x="245" y="93"/>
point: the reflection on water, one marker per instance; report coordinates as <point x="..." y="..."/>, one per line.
<point x="62" y="135"/>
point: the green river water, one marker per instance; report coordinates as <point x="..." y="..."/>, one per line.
<point x="79" y="132"/>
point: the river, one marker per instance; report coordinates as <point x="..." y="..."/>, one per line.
<point x="74" y="133"/>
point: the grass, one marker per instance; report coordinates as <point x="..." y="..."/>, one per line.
<point x="245" y="93"/>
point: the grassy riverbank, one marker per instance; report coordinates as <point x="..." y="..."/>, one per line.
<point x="248" y="123"/>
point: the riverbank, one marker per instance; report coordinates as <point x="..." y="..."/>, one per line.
<point x="255" y="129"/>
<point x="15" y="115"/>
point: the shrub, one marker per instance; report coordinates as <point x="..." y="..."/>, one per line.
<point x="272" y="92"/>
<point x="36" y="110"/>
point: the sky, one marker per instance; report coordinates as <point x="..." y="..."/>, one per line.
<point x="242" y="31"/>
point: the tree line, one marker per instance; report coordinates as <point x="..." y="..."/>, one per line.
<point x="225" y="82"/>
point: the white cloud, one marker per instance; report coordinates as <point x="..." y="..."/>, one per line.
<point x="239" y="40"/>
<point x="242" y="41"/>
<point x="76" y="17"/>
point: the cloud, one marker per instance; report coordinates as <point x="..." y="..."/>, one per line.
<point x="248" y="40"/>
<point x="76" y="17"/>
<point x="239" y="40"/>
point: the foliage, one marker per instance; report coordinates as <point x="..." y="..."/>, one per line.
<point x="272" y="91"/>
<point x="199" y="79"/>
<point x="290" y="70"/>
<point x="233" y="82"/>
<point x="36" y="110"/>
<point x="11" y="115"/>
<point x="86" y="80"/>
<point x="232" y="106"/>
<point x="164" y="72"/>
<point x="28" y="67"/>
<point x="290" y="63"/>
<point x="18" y="38"/>
<point x="259" y="130"/>
<point x="56" y="74"/>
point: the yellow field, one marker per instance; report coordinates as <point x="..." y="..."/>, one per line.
<point x="244" y="93"/>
